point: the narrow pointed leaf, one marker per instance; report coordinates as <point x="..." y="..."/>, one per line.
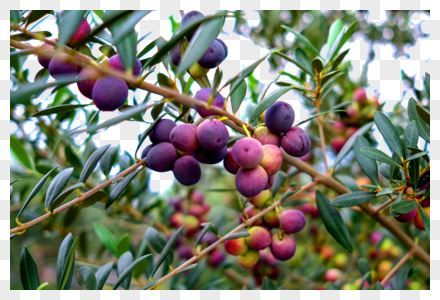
<point x="123" y="244"/>
<point x="425" y="220"/>
<point x="365" y="278"/>
<point x="333" y="221"/>
<point x="201" y="235"/>
<point x="280" y="178"/>
<point x="378" y="286"/>
<point x="293" y="77"/>
<point x="106" y="237"/>
<point x="237" y="235"/>
<point x="58" y="109"/>
<point x="399" y="279"/>
<point x="20" y="152"/>
<point x="347" y="35"/>
<point x="368" y="165"/>
<point x="417" y="155"/>
<point x="268" y="101"/>
<point x="330" y="75"/>
<point x="91" y="163"/>
<point x="238" y="95"/>
<point x="28" y="271"/>
<point x="422" y="127"/>
<point x="339" y="59"/>
<point x="107" y="161"/>
<point x="34" y="192"/>
<point x="102" y="274"/>
<point x="404" y="207"/>
<point x="353" y="199"/>
<point x="61" y="197"/>
<point x="302" y="39"/>
<point x="303" y="60"/>
<point x="158" y="242"/>
<point x="190" y="267"/>
<point x="320" y="114"/>
<point x="268" y="285"/>
<point x="127" y="272"/>
<point x="120" y="188"/>
<point x="70" y="21"/>
<point x="166" y="250"/>
<point x="410" y="136"/>
<point x="66" y="262"/>
<point x="379" y="156"/>
<point x="334" y="31"/>
<point x="389" y="132"/>
<point x="99" y="196"/>
<point x="57" y="186"/>
<point x="427" y="83"/>
<point x="423" y="114"/>
<point x="363" y="266"/>
<point x="385" y="191"/>
<point x="86" y="278"/>
<point x="413" y="171"/>
<point x="123" y="263"/>
<point x="129" y="25"/>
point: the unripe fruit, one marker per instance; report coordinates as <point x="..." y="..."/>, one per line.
<point x="191" y="224"/>
<point x="249" y="259"/>
<point x="270" y="182"/>
<point x="247" y="153"/>
<point x="260" y="199"/>
<point x="197" y="197"/>
<point x="116" y="63"/>
<point x="236" y="247"/>
<point x="187" y="170"/>
<point x="271" y="219"/>
<point x="327" y="253"/>
<point x="333" y="275"/>
<point x="250" y="182"/>
<point x="407" y="217"/>
<point x="341" y="260"/>
<point x="162" y="131"/>
<point x="209" y="157"/>
<point x="418" y="222"/>
<point x="279" y="117"/>
<point x="212" y="135"/>
<point x="353" y="111"/>
<point x="145" y="151"/>
<point x="265" y="137"/>
<point x="337" y="144"/>
<point x="272" y="159"/>
<point x="161" y="157"/>
<point x="44" y="57"/>
<point x="339" y="127"/>
<point x="197" y="71"/>
<point x="213" y="56"/>
<point x="189" y="19"/>
<point x="177" y="220"/>
<point x="216" y="258"/>
<point x="292" y="221"/>
<point x="86" y="86"/>
<point x="250" y="212"/>
<point x="360" y="96"/>
<point x="80" y="34"/>
<point x="230" y="164"/>
<point x="284" y="248"/>
<point x="184" y="137"/>
<point x="62" y="64"/>
<point x="109" y="93"/>
<point x="259" y="238"/>
<point x="296" y="142"/>
<point x="196" y="210"/>
<point x="203" y="95"/>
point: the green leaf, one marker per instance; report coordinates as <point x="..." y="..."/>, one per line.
<point x="333" y="221"/>
<point x="61" y="197"/>
<point x="335" y="30"/>
<point x="368" y="165"/>
<point x="34" y="192"/>
<point x="349" y="182"/>
<point x="106" y="237"/>
<point x="288" y="194"/>
<point x="15" y="16"/>
<point x="237" y="235"/>
<point x="70" y="21"/>
<point x="365" y="278"/>
<point x="413" y="116"/>
<point x="124" y="277"/>
<point x="128" y="26"/>
<point x="347" y="35"/>
<point x="36" y="15"/>
<point x="201" y="235"/>
<point x="157" y="242"/>
<point x="423" y="114"/>
<point x="166" y="250"/>
<point x="57" y="186"/>
<point x="333" y="51"/>
<point x="404" y="207"/>
<point x="304" y="61"/>
<point x="200" y="42"/>
<point x="42" y="286"/>
<point x="293" y="77"/>
<point x="28" y="271"/>
<point x="353" y="199"/>
<point x="91" y="163"/>
<point x="332" y="286"/>
<point x="280" y="178"/>
<point x="107" y="161"/>
<point x="42" y="75"/>
<point x="379" y="156"/>
<point x="150" y="284"/>
<point x="20" y="152"/>
<point x="413" y="172"/>
<point x="363" y="266"/>
<point x="238" y="95"/>
<point x="320" y="114"/>
<point x="410" y="136"/>
<point x="389" y="132"/>
<point x="427" y="82"/>
<point x="212" y="227"/>
<point x="86" y="278"/>
<point x="248" y="71"/>
<point x="268" y="285"/>
<point x="123" y="244"/>
<point x="190" y="267"/>
<point x="378" y="286"/>
<point x="66" y="262"/>
<point x="385" y="191"/>
<point x="417" y="155"/>
<point x="268" y="101"/>
<point x="120" y="187"/>
<point x="302" y="39"/>
<point x="350" y="142"/>
<point x="339" y="59"/>
<point x="331" y="75"/>
<point x="399" y="279"/>
<point x="59" y="109"/>
<point x="425" y="220"/>
<point x="102" y="274"/>
<point x="99" y="196"/>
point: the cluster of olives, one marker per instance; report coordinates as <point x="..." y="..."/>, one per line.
<point x="190" y="213"/>
<point x="272" y="231"/>
<point x="256" y="160"/>
<point x="214" y="55"/>
<point x="107" y="92"/>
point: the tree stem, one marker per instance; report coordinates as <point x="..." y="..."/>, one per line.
<point x="397" y="267"/>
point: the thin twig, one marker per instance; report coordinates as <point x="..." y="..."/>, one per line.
<point x="397" y="267"/>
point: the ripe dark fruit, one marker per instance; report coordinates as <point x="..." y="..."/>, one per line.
<point x="249" y="259"/>
<point x="161" y="157"/>
<point x="209" y="157"/>
<point x="116" y="63"/>
<point x="80" y="34"/>
<point x="44" y="58"/>
<point x="271" y="219"/>
<point x="203" y="95"/>
<point x="265" y="137"/>
<point x="216" y="258"/>
<point x="197" y="197"/>
<point x="230" y="164"/>
<point x="109" y="93"/>
<point x="337" y="144"/>
<point x="185" y="252"/>
<point x="247" y="153"/>
<point x="250" y="182"/>
<point x="86" y="86"/>
<point x="236" y="247"/>
<point x="187" y="170"/>
<point x="188" y="19"/>
<point x="407" y="217"/>
<point x="184" y="137"/>
<point x="279" y="117"/>
<point x="260" y="199"/>
<point x="175" y="55"/>
<point x="146" y="150"/>
<point x="259" y="238"/>
<point x="270" y="182"/>
<point x="213" y="56"/>
<point x="272" y="159"/>
<point x="212" y="135"/>
<point x="292" y="220"/>
<point x="162" y="131"/>
<point x="225" y="48"/>
<point x="284" y="248"/>
<point x="296" y="142"/>
<point x="196" y="210"/>
<point x="62" y="64"/>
